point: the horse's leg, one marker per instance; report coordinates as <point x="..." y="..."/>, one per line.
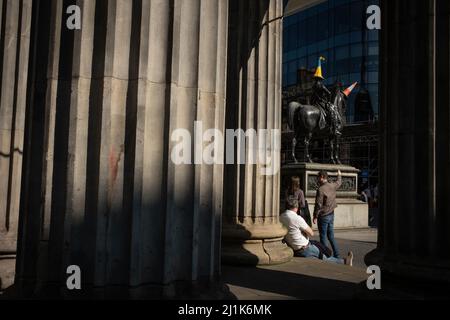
<point x="294" y="146"/>
<point x="332" y="149"/>
<point x="307" y="143"/>
<point x="337" y="149"/>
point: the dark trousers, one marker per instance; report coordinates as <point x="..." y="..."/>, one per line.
<point x="326" y="231"/>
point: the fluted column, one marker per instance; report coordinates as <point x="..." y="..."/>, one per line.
<point x="15" y="20"/>
<point x="252" y="233"/>
<point x="104" y="192"/>
<point x="415" y="215"/>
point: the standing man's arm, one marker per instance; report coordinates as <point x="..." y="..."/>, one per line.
<point x="319" y="204"/>
<point x="339" y="180"/>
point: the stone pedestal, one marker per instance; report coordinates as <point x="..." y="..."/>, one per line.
<point x="351" y="212"/>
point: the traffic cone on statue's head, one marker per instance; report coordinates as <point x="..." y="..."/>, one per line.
<point x="319" y="69"/>
<point x="350" y="89"/>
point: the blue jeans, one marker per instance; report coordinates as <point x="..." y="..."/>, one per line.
<point x="326" y="231"/>
<point x="313" y="252"/>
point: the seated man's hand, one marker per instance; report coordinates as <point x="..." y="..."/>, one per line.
<point x="315" y="221"/>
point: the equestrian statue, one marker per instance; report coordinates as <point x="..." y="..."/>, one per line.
<point x="322" y="116"/>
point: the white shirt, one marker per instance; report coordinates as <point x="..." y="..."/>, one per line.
<point x="295" y="225"/>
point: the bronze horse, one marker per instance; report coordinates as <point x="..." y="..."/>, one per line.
<point x="304" y="121"/>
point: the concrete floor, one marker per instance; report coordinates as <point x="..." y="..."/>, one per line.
<point x="305" y="279"/>
<point x="361" y="242"/>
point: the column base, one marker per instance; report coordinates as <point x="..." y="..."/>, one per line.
<point x="406" y="278"/>
<point x="252" y="245"/>
<point x="7" y="271"/>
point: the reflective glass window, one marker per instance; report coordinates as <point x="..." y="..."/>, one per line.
<point x="357" y="15"/>
<point x="372" y="63"/>
<point x="341" y="19"/>
<point x="302" y="33"/>
<point x="322" y="26"/>
<point x="341" y="40"/>
<point x="373" y="35"/>
<point x="355" y="77"/>
<point x="356" y="50"/>
<point x="356" y="64"/>
<point x="372" y="77"/>
<point x="292" y="78"/>
<point x="341" y="53"/>
<point x="312" y="30"/>
<point x="373" y="49"/>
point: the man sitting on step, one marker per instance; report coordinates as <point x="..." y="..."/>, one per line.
<point x="299" y="233"/>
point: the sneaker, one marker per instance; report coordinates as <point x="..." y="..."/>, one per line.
<point x="349" y="259"/>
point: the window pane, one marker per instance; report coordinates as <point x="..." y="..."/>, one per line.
<point x="341" y="19"/>
<point x="357" y="15"/>
<point x="292" y="66"/>
<point x="356" y="64"/>
<point x="356" y="36"/>
<point x="302" y="33"/>
<point x="312" y="30"/>
<point x="292" y="78"/>
<point x="322" y="26"/>
<point x="373" y="49"/>
<point x="341" y="40"/>
<point x="312" y="61"/>
<point x="372" y="35"/>
<point x="293" y="38"/>
<point x="341" y="53"/>
<point x="302" y="63"/>
<point x="373" y="90"/>
<point x="355" y="77"/>
<point x="301" y="52"/>
<point x="356" y="50"/>
<point x="372" y="63"/>
<point x="322" y="46"/>
<point x="342" y="66"/>
<point x="372" y="77"/>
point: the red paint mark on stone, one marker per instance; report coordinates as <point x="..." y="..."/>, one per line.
<point x="113" y="166"/>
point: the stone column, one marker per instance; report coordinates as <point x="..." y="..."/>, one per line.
<point x="252" y="233"/>
<point x="415" y="146"/>
<point x="15" y="20"/>
<point x="103" y="192"/>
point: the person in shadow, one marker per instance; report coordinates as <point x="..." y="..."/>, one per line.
<point x="295" y="191"/>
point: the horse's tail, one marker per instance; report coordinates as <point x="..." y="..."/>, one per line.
<point x="293" y="108"/>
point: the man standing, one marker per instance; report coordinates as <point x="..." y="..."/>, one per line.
<point x="324" y="210"/>
<point x="299" y="233"/>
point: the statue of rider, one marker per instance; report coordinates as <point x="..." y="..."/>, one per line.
<point x="321" y="98"/>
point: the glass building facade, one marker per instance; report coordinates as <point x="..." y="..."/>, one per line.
<point x="336" y="30"/>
